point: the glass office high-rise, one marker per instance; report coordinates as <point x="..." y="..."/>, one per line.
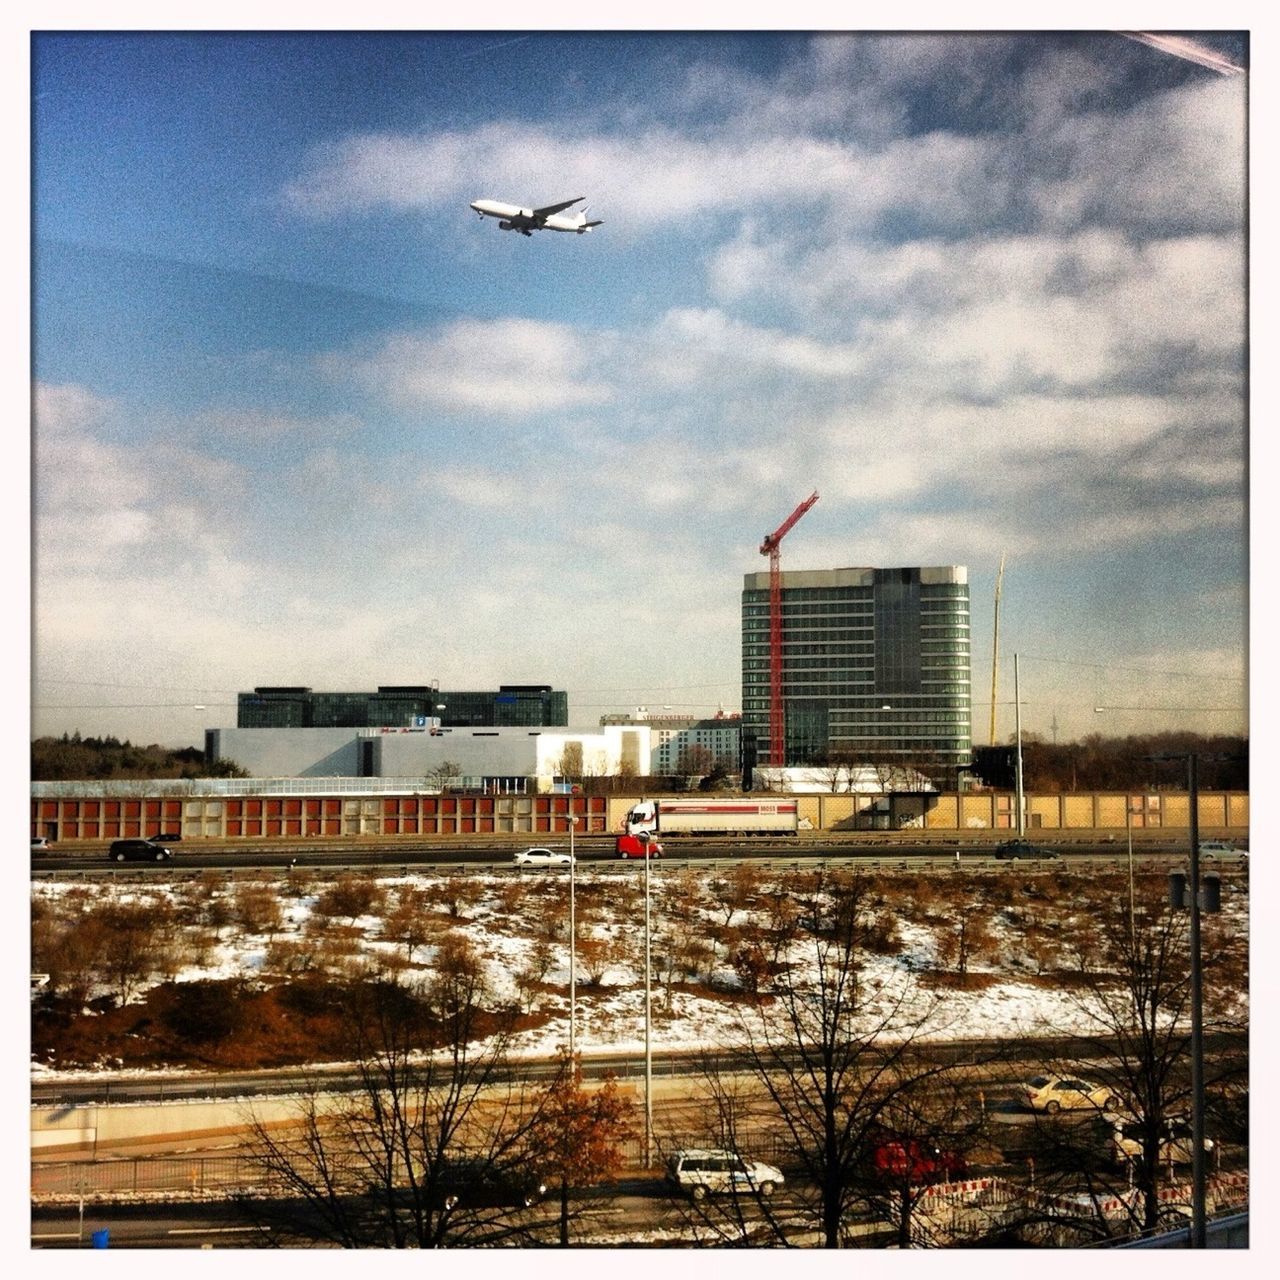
<point x="875" y="666"/>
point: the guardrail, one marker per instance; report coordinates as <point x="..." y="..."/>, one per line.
<point x="940" y="861"/>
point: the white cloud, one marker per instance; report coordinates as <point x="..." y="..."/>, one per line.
<point x="508" y="367"/>
<point x="62" y="408"/>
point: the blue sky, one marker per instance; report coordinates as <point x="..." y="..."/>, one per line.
<point x="301" y="418"/>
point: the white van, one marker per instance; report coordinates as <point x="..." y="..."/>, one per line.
<point x="697" y="1172"/>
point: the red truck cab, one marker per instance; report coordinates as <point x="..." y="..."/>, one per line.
<point x="631" y="847"/>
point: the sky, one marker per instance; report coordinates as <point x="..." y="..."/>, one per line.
<point x="300" y="417"/>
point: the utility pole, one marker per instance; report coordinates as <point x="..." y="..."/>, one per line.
<point x="771" y="547"/>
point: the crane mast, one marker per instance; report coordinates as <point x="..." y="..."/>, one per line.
<point x="771" y="547"/>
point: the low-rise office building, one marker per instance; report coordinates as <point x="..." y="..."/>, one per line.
<point x="492" y="759"/>
<point x="300" y="707"/>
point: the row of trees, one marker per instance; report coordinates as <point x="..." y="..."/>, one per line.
<point x="843" y="1077"/>
<point x="1138" y="761"/>
<point x="73" y="758"/>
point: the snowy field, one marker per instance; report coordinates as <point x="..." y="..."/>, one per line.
<point x="512" y="925"/>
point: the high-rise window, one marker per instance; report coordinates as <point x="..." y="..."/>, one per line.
<point x="875" y="666"/>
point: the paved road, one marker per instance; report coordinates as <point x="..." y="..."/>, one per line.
<point x="591" y="852"/>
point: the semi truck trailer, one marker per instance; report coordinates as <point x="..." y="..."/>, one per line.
<point x="728" y="816"/>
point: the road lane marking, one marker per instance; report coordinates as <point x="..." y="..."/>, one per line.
<point x="209" y="1231"/>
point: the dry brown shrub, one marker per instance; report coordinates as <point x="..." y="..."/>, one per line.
<point x="349" y="896"/>
<point x="256" y="908"/>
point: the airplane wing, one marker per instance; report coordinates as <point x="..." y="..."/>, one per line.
<point x="540" y="214"/>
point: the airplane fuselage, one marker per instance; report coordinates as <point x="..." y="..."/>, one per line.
<point x="513" y="217"/>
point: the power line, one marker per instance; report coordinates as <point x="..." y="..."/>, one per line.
<point x="1115" y="666"/>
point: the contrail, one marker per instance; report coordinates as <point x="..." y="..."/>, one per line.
<point x="1191" y="50"/>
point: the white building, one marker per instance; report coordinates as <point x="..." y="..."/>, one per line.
<point x="493" y="758"/>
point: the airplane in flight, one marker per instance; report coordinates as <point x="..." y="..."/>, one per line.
<point x="526" y="221"/>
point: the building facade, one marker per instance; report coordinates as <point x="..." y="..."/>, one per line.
<point x="673" y="738"/>
<point x="499" y="759"/>
<point x="298" y="707"/>
<point x="875" y="666"/>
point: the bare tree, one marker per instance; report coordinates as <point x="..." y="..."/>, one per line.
<point x="737" y="890"/>
<point x="349" y="896"/>
<point x="456" y="893"/>
<point x="966" y="936"/>
<point x="1135" y="994"/>
<point x="444" y="776"/>
<point x="829" y="1059"/>
<point x="376" y="1167"/>
<point x="695" y="760"/>
<point x="410" y="921"/>
<point x="130" y="946"/>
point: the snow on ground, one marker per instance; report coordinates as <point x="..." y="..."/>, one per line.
<point x="611" y="1013"/>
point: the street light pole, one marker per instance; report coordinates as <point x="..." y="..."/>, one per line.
<point x="1017" y="761"/>
<point x="1198" y="1239"/>
<point x="573" y="941"/>
<point x="645" y="837"/>
<point x="1128" y="831"/>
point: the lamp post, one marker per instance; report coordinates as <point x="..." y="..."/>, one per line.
<point x="1017" y="760"/>
<point x="1128" y="835"/>
<point x="645" y="837"/>
<point x="1197" y="1018"/>
<point x="573" y="940"/>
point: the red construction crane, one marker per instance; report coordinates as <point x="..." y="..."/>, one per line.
<point x="769" y="547"/>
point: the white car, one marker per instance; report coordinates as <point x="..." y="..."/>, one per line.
<point x="39" y="842"/>
<point x="697" y="1172"/>
<point x="1052" y="1094"/>
<point x="1176" y="1145"/>
<point x="543" y="858"/>
<point x="1220" y="848"/>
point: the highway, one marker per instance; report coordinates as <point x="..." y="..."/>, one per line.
<point x="594" y="852"/>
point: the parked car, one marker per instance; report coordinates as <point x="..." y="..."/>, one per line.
<point x="167" y="837"/>
<point x="39" y="844"/>
<point x="473" y="1183"/>
<point x="1051" y="1094"/>
<point x="543" y="858"/>
<point x="698" y="1173"/>
<point x="1176" y="1146"/>
<point x="1024" y="849"/>
<point x="894" y="1158"/>
<point x="138" y="851"/>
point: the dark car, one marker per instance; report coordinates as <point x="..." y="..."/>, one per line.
<point x="467" y="1183"/>
<point x="138" y="851"/>
<point x="1024" y="849"/>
